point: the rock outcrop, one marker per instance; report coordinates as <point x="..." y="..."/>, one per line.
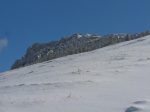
<point x="77" y="43"/>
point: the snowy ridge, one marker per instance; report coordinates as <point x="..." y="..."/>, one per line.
<point x="111" y="79"/>
<point x="74" y="44"/>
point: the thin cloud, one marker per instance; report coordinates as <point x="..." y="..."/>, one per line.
<point x="3" y="43"/>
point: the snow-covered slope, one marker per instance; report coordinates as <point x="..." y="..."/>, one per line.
<point x="111" y="79"/>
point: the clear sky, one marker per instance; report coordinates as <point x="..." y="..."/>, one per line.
<point x="23" y="22"/>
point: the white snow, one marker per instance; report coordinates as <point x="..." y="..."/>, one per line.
<point x="79" y="36"/>
<point x="112" y="79"/>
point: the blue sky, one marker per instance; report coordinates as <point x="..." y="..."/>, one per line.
<point x="23" y="22"/>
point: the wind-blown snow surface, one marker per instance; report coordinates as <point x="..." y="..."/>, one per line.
<point x="111" y="79"/>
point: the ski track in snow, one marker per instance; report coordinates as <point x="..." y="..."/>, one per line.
<point x="111" y="79"/>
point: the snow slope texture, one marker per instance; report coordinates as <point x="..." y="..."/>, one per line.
<point x="112" y="79"/>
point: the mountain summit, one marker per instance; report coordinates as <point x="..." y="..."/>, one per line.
<point x="115" y="78"/>
<point x="76" y="43"/>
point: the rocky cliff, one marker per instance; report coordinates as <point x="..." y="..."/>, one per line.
<point x="76" y="43"/>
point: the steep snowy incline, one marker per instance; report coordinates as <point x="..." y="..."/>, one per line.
<point x="111" y="79"/>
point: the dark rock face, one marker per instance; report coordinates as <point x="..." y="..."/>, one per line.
<point x="132" y="109"/>
<point x="74" y="44"/>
